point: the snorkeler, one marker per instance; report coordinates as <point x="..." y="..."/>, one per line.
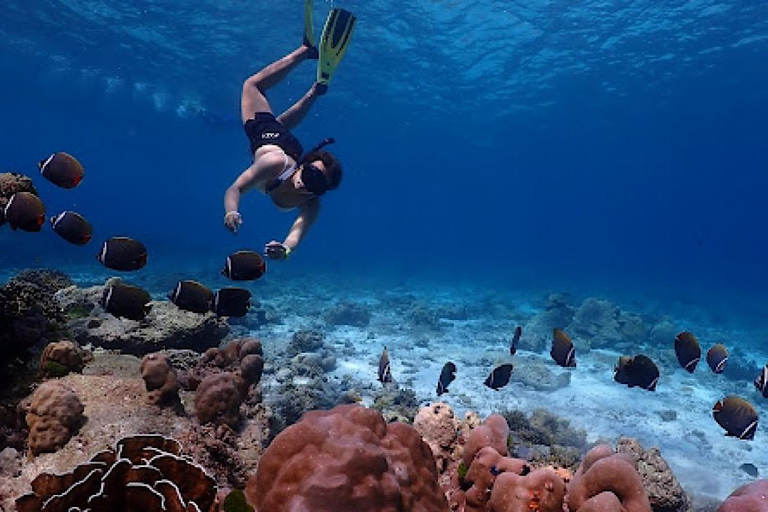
<point x="281" y="169"/>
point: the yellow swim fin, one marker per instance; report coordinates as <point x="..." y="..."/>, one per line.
<point x="333" y="43"/>
<point x="309" y="31"/>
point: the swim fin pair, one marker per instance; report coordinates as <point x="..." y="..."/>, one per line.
<point x="333" y="41"/>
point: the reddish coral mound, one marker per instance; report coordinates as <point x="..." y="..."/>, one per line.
<point x="493" y="432"/>
<point x="607" y="482"/>
<point x="752" y="497"/>
<point x="346" y="459"/>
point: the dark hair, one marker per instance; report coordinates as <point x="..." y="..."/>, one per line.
<point x="332" y="166"/>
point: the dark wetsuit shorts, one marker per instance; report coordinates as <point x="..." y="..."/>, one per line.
<point x="264" y="129"/>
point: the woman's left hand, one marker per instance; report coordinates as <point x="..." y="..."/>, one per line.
<point x="276" y="251"/>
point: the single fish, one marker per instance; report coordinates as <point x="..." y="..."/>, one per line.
<point x="638" y="371"/>
<point x="515" y="339"/>
<point x="687" y="350"/>
<point x="737" y="417"/>
<point x="72" y="227"/>
<point x="192" y="296"/>
<point x="750" y="469"/>
<point x="447" y="375"/>
<point x="244" y="266"/>
<point x="123" y="253"/>
<point x="25" y="211"/>
<point x="62" y="169"/>
<point x="126" y="301"/>
<point x="717" y="356"/>
<point x="499" y="377"/>
<point x="385" y="372"/>
<point x="230" y="301"/>
<point x="563" y="351"/>
<point x="761" y="382"/>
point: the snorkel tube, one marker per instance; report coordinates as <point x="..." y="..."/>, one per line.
<point x="286" y="174"/>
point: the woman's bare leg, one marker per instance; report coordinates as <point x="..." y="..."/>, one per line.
<point x="254" y="88"/>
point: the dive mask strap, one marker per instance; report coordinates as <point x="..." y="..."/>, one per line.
<point x="286" y="174"/>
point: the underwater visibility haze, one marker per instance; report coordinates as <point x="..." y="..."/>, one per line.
<point x="495" y="153"/>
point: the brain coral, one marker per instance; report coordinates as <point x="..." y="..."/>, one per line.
<point x="53" y="416"/>
<point x="346" y="459"/>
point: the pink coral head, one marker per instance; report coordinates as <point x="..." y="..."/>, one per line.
<point x="493" y="432"/>
<point x="752" y="497"/>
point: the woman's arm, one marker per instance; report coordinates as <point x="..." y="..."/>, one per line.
<point x="308" y="213"/>
<point x="263" y="169"/>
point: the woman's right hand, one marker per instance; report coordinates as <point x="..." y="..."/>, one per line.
<point x="233" y="220"/>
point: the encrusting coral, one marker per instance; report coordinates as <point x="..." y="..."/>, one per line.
<point x="346" y="459"/>
<point x="54" y="414"/>
<point x="143" y="472"/>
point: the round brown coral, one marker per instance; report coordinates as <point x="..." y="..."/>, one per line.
<point x="160" y="379"/>
<point x="346" y="459"/>
<point x="218" y="399"/>
<point x="54" y="415"/>
<point x="61" y="357"/>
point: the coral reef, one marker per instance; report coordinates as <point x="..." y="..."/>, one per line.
<point x="303" y="381"/>
<point x="488" y="481"/>
<point x="305" y="340"/>
<point x="54" y="413"/>
<point x="216" y="448"/>
<point x="541" y="490"/>
<point x="544" y="438"/>
<point x="396" y="403"/>
<point x="422" y="317"/>
<point x="242" y="356"/>
<point x="61" y="357"/>
<point x="599" y="324"/>
<point x="224" y="379"/>
<point x="143" y="472"/>
<point x="348" y="313"/>
<point x="664" y="491"/>
<point x="28" y="312"/>
<point x="389" y="467"/>
<point x="165" y="327"/>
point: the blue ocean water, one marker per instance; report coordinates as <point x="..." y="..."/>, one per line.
<point x="603" y="146"/>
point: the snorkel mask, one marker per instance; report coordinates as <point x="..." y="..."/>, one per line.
<point x="313" y="178"/>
